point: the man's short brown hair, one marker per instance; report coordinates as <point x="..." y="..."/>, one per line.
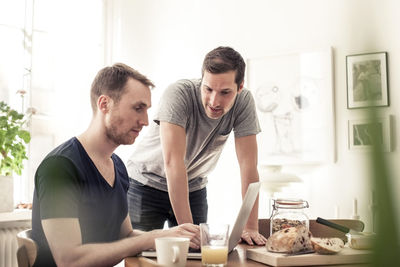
<point x="111" y="81"/>
<point x="223" y="59"/>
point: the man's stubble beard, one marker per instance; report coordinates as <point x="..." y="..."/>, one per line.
<point x="116" y="137"/>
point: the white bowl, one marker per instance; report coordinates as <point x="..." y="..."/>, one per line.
<point x="361" y="241"/>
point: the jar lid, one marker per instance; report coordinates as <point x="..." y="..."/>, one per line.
<point x="290" y="203"/>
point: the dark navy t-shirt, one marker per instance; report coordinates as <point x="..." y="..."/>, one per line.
<point x="68" y="185"/>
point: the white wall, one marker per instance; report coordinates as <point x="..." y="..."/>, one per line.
<point x="167" y="40"/>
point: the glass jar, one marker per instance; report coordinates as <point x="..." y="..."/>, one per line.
<point x="288" y="213"/>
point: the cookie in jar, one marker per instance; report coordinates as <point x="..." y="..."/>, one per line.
<point x="288" y="213"/>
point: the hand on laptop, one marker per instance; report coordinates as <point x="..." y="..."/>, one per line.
<point x="188" y="230"/>
<point x="252" y="237"/>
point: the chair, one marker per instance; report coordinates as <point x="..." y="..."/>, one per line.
<point x="317" y="229"/>
<point x="27" y="249"/>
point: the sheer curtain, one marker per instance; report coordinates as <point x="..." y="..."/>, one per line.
<point x="52" y="50"/>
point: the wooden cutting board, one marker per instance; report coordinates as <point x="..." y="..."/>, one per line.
<point x="345" y="256"/>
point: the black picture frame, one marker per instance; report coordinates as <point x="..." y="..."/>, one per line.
<point x="366" y="132"/>
<point x="367" y="80"/>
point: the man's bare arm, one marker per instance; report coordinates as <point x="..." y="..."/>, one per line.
<point x="246" y="152"/>
<point x="65" y="241"/>
<point x="173" y="142"/>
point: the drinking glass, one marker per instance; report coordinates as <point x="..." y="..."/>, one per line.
<point x="214" y="244"/>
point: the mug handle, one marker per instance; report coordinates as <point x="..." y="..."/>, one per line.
<point x="175" y="257"/>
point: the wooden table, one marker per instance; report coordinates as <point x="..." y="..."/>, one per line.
<point x="235" y="258"/>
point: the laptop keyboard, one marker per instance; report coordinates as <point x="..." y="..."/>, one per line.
<point x="194" y="250"/>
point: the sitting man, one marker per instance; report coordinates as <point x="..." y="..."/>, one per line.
<point x="80" y="212"/>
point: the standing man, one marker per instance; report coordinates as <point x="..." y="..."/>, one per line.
<point x="80" y="212"/>
<point x="169" y="168"/>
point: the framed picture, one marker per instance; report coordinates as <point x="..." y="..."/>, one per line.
<point x="367" y="84"/>
<point x="365" y="133"/>
<point x="294" y="100"/>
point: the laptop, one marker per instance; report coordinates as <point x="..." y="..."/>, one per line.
<point x="241" y="220"/>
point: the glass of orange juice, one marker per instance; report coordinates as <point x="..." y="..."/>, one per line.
<point x="214" y="244"/>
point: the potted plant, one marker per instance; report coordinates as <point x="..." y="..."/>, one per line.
<point x="13" y="138"/>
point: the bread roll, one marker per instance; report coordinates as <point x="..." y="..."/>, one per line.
<point x="290" y="240"/>
<point x="327" y="245"/>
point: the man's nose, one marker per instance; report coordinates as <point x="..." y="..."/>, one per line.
<point x="214" y="99"/>
<point x="144" y="120"/>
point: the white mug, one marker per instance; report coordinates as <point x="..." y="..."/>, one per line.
<point x="172" y="251"/>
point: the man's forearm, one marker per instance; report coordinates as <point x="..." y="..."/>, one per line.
<point x="109" y="254"/>
<point x="135" y="232"/>
<point x="106" y="254"/>
<point x="252" y="222"/>
<point x="179" y="193"/>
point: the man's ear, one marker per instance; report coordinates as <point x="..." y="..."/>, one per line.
<point x="104" y="103"/>
<point x="241" y="87"/>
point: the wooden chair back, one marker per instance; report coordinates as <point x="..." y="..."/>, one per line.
<point x="317" y="229"/>
<point x="27" y="249"/>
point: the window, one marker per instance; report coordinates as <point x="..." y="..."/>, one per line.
<point x="52" y="50"/>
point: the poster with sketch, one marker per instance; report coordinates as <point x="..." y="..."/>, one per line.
<point x="294" y="100"/>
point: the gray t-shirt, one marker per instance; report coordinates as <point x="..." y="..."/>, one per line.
<point x="181" y="105"/>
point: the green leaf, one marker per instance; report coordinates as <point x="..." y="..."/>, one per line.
<point x="15" y="115"/>
<point x="3" y="122"/>
<point x="25" y="135"/>
<point x="13" y="138"/>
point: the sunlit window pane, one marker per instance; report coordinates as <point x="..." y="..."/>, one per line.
<point x="57" y="57"/>
<point x="12" y="13"/>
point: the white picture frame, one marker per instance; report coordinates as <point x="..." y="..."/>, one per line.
<point x="361" y="134"/>
<point x="294" y="101"/>
<point x="367" y="84"/>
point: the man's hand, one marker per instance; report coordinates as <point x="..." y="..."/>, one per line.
<point x="253" y="236"/>
<point x="188" y="230"/>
